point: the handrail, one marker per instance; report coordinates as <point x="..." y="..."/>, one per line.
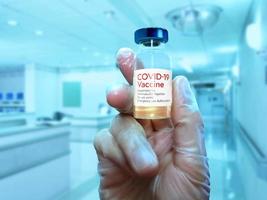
<point x="259" y="158"/>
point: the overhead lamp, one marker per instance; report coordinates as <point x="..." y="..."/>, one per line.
<point x="254" y="39"/>
<point x="193" y="20"/>
<point x="110" y="14"/>
<point x="39" y="32"/>
<point x="96" y="54"/>
<point x="12" y="22"/>
<point x="84" y="49"/>
<point x="253" y="36"/>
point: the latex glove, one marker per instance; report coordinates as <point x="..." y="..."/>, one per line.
<point x="152" y="159"/>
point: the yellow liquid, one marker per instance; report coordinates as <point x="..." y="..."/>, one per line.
<point x="152" y="112"/>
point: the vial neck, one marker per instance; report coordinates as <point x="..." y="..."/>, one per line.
<point x="151" y="43"/>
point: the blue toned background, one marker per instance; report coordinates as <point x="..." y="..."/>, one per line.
<point x="57" y="58"/>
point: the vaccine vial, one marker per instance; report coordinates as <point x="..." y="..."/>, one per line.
<point x="152" y="79"/>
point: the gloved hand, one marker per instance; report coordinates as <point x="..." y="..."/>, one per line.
<point x="152" y="159"/>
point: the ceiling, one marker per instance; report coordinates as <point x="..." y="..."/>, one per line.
<point x="70" y="33"/>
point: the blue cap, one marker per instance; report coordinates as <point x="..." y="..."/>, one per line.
<point x="151" y="33"/>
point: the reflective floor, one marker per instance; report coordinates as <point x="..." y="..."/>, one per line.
<point x="225" y="180"/>
<point x="84" y="177"/>
<point x="221" y="150"/>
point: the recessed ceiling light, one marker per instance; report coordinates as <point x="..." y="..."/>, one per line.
<point x="110" y="14"/>
<point x="12" y="22"/>
<point x="84" y="48"/>
<point x="95" y="54"/>
<point x="39" y="32"/>
<point x="231" y="195"/>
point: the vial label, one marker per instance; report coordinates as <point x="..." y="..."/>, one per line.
<point x="152" y="87"/>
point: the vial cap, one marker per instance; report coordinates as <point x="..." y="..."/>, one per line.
<point x="151" y="33"/>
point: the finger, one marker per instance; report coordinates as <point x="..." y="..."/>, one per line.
<point x="106" y="147"/>
<point x="130" y="136"/>
<point x="186" y="118"/>
<point x="190" y="156"/>
<point x="109" y="153"/>
<point x="126" y="63"/>
<point x="121" y="98"/>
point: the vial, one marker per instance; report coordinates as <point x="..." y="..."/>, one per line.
<point x="152" y="79"/>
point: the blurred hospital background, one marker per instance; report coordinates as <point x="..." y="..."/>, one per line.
<point x="57" y="58"/>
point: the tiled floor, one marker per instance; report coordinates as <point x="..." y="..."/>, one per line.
<point x="220" y="145"/>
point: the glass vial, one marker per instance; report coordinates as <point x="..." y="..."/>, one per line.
<point x="152" y="78"/>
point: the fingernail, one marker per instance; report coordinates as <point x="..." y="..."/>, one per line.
<point x="124" y="52"/>
<point x="115" y="87"/>
<point x="144" y="159"/>
<point x="124" y="57"/>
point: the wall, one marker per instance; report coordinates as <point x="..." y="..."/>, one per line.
<point x="251" y="92"/>
<point x="94" y="84"/>
<point x="42" y="90"/>
<point x="47" y="92"/>
<point x="39" y="84"/>
<point x="250" y="103"/>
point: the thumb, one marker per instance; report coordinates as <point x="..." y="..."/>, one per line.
<point x="186" y="118"/>
<point x="189" y="147"/>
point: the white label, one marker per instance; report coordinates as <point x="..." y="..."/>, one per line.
<point x="152" y="87"/>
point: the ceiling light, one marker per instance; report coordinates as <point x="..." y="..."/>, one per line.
<point x="39" y="32"/>
<point x="12" y="22"/>
<point x="226" y="49"/>
<point x="254" y="39"/>
<point x="236" y="71"/>
<point x="231" y="195"/>
<point x="110" y="14"/>
<point x="254" y="36"/>
<point x="96" y="54"/>
<point x="194" y="20"/>
<point x="84" y="49"/>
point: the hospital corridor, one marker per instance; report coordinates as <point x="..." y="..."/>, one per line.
<point x="189" y="78"/>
